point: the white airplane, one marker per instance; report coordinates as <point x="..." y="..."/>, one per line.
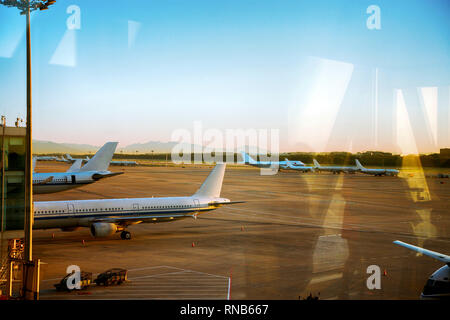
<point x="70" y="159"/>
<point x="77" y="176"/>
<point x="334" y="169"/>
<point x="267" y="164"/>
<point x="377" y="172"/>
<point x="289" y="165"/>
<point x="438" y="284"/>
<point x="123" y="163"/>
<point x="106" y="217"/>
<point x="62" y="159"/>
<point x="46" y="158"/>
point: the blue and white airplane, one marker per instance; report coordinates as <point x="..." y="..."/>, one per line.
<point x="77" y="176"/>
<point x="377" y="172"/>
<point x="123" y="163"/>
<point x="438" y="285"/>
<point x="334" y="169"/>
<point x="289" y="165"/>
<point x="268" y="164"/>
<point x="108" y="216"/>
<point x="46" y="158"/>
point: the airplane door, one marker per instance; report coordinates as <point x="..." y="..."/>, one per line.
<point x="73" y="179"/>
<point x="70" y="208"/>
<point x="136" y="206"/>
<point x="196" y="203"/>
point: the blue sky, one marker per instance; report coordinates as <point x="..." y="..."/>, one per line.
<point x="230" y="64"/>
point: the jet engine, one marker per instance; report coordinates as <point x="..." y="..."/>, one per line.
<point x="103" y="229"/>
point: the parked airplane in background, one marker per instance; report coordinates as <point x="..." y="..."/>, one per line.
<point x="267" y="164"/>
<point x="289" y="165"/>
<point x="77" y="176"/>
<point x="75" y="166"/>
<point x="334" y="169"/>
<point x="123" y="163"/>
<point x="46" y="158"/>
<point x="108" y="216"/>
<point x="120" y="163"/>
<point x="438" y="285"/>
<point x="377" y="172"/>
<point x="62" y="159"/>
<point x="69" y="158"/>
<point x="50" y="158"/>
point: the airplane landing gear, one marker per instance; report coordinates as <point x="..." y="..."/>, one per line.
<point x="125" y="235"/>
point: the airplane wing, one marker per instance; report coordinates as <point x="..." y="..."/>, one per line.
<point x="129" y="220"/>
<point x="436" y="255"/>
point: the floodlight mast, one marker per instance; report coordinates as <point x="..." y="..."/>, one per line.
<point x="26" y="7"/>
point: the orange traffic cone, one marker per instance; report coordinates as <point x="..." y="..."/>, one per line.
<point x="83" y="242"/>
<point x="53" y="236"/>
<point x="193" y="244"/>
<point x="384" y="273"/>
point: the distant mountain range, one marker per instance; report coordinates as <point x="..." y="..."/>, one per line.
<point x="48" y="147"/>
<point x="44" y="147"/>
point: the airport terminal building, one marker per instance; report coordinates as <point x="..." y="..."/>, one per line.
<point x="12" y="180"/>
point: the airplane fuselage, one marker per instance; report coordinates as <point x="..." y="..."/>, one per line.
<point x="337" y="169"/>
<point x="83" y="213"/>
<point x="60" y="181"/>
<point x="268" y="164"/>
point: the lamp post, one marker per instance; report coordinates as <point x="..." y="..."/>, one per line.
<point x="26" y="7"/>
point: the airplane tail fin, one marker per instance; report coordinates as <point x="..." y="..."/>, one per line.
<point x="69" y="157"/>
<point x="359" y="165"/>
<point x="75" y="167"/>
<point x="100" y="161"/>
<point x="316" y="163"/>
<point x="288" y="163"/>
<point x="247" y="158"/>
<point x="212" y="186"/>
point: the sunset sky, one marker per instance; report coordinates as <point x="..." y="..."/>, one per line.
<point x="137" y="71"/>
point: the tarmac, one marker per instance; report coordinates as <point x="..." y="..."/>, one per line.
<point x="296" y="234"/>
